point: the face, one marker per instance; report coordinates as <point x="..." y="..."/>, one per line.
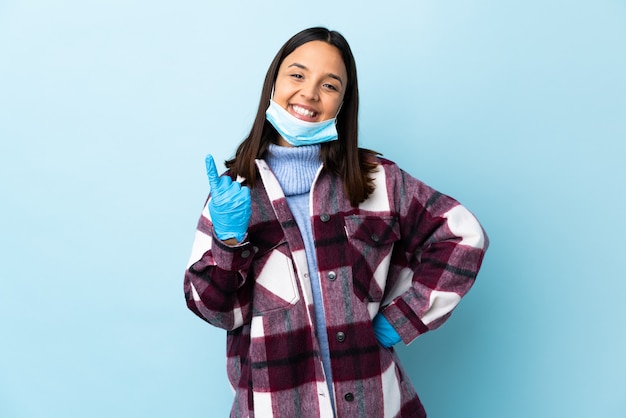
<point x="311" y="82"/>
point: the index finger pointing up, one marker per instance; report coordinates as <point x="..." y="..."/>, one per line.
<point x="211" y="171"/>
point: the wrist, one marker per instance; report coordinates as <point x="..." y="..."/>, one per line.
<point x="230" y="241"/>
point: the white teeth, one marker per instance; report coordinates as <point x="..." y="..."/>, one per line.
<point x="304" y="112"/>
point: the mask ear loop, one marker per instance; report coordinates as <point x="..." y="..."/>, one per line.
<point x="269" y="104"/>
<point x="339" y="110"/>
<point x="337" y="114"/>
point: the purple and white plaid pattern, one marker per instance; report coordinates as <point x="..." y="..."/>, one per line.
<point x="408" y="250"/>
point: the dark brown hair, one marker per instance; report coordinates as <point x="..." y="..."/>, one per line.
<point x="342" y="157"/>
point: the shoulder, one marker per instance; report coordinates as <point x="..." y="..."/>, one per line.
<point x="391" y="170"/>
<point x="386" y="163"/>
<point x="400" y="183"/>
<point x="375" y="160"/>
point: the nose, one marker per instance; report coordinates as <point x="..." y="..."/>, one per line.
<point x="309" y="91"/>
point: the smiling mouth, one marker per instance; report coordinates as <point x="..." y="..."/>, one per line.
<point x="306" y="113"/>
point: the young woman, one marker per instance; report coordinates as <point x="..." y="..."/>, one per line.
<point x="317" y="256"/>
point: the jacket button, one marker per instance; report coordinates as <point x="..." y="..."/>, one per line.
<point x="375" y="238"/>
<point x="349" y="397"/>
<point x="341" y="337"/>
<point x="332" y="275"/>
<point x="325" y="217"/>
<point x="245" y="254"/>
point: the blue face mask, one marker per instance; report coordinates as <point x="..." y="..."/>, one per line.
<point x="299" y="132"/>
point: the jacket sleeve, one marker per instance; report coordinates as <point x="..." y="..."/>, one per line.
<point x="436" y="261"/>
<point x="215" y="282"/>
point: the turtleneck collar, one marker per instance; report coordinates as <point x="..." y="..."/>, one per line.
<point x="294" y="167"/>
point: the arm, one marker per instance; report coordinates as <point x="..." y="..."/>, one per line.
<point x="215" y="285"/>
<point x="215" y="280"/>
<point x="436" y="261"/>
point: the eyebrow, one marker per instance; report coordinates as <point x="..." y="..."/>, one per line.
<point x="331" y="75"/>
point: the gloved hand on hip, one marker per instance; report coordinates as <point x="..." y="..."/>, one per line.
<point x="230" y="205"/>
<point x="386" y="335"/>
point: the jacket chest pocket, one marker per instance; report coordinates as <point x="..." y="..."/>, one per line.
<point x="275" y="283"/>
<point x="371" y="240"/>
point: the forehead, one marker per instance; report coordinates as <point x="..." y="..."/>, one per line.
<point x="317" y="56"/>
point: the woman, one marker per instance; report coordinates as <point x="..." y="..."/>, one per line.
<point x="317" y="256"/>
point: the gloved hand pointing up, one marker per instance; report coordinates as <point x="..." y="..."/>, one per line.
<point x="230" y="205"/>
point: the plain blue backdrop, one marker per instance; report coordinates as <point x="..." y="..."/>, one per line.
<point x="107" y="109"/>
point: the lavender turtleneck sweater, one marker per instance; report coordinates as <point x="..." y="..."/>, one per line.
<point x="295" y="169"/>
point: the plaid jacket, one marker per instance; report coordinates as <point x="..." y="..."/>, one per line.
<point x="408" y="251"/>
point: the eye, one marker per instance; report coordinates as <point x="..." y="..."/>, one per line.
<point x="297" y="76"/>
<point x="331" y="87"/>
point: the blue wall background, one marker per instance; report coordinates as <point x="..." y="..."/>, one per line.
<point x="107" y="108"/>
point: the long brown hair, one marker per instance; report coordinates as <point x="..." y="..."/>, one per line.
<point x="342" y="157"/>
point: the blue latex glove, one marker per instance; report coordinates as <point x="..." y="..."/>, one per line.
<point x="230" y="205"/>
<point x="385" y="333"/>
